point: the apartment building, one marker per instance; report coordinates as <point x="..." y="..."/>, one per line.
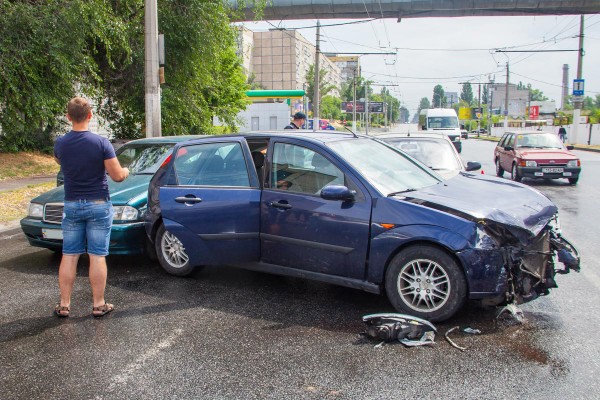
<point x="279" y="59"/>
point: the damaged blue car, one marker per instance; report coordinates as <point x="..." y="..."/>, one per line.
<point x="351" y="210"/>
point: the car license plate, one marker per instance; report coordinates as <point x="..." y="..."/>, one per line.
<point x="552" y="170"/>
<point x="52" y="234"/>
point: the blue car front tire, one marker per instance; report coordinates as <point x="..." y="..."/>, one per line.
<point x="425" y="281"/>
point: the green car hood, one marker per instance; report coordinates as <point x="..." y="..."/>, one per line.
<point x="132" y="191"/>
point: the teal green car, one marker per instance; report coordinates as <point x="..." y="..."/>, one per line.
<point x="143" y="157"/>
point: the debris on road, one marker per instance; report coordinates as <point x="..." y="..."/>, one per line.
<point x="514" y="310"/>
<point x="408" y="330"/>
<point x="472" y="331"/>
<point x="448" y="332"/>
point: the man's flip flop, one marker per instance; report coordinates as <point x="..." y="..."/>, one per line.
<point x="61" y="311"/>
<point x="102" y="310"/>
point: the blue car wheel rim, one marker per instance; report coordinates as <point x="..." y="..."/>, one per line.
<point x="424" y="285"/>
<point x="173" y="251"/>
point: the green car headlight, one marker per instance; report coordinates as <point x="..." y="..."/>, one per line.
<point x="36" y="210"/>
<point x="125" y="213"/>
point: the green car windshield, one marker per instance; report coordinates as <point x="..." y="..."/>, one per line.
<point x="388" y="170"/>
<point x="143" y="158"/>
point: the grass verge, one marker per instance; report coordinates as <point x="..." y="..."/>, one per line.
<point x="26" y="165"/>
<point x="14" y="203"/>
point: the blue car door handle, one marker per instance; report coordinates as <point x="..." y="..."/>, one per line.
<point x="284" y="206"/>
<point x="188" y="199"/>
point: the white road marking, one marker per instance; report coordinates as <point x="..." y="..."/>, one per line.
<point x="130" y="370"/>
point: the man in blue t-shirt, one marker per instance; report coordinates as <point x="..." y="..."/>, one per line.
<point x="87" y="217"/>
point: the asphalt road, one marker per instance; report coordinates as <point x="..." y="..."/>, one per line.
<point x="229" y="333"/>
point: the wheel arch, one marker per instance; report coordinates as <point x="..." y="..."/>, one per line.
<point x="424" y="242"/>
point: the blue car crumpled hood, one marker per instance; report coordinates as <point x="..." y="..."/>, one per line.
<point x="487" y="199"/>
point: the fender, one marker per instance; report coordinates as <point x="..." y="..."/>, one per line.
<point x="198" y="252"/>
<point x="385" y="244"/>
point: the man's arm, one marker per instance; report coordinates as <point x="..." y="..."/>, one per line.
<point x="115" y="171"/>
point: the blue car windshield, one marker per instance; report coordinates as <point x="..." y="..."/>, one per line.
<point x="143" y="158"/>
<point x="388" y="170"/>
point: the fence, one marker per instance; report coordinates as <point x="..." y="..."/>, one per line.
<point x="586" y="133"/>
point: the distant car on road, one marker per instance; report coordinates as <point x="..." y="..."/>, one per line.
<point x="464" y="134"/>
<point x="351" y="210"/>
<point x="42" y="225"/>
<point x="434" y="150"/>
<point x="536" y="154"/>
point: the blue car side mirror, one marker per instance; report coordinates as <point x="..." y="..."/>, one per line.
<point x="473" y="166"/>
<point x="337" y="192"/>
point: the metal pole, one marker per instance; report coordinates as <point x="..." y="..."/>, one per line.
<point x="579" y="104"/>
<point x="385" y="120"/>
<point x="316" y="99"/>
<point x="506" y="98"/>
<point x="366" y="107"/>
<point x="354" y="105"/>
<point x="151" y="84"/>
<point x="480" y="110"/>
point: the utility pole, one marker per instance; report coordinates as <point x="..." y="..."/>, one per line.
<point x="151" y="65"/>
<point x="579" y="104"/>
<point x="367" y="108"/>
<point x="479" y="108"/>
<point x="316" y="100"/>
<point x="385" y="120"/>
<point x="354" y="105"/>
<point x="506" y="98"/>
<point x="490" y="98"/>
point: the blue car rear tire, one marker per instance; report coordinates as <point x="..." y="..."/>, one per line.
<point x="171" y="253"/>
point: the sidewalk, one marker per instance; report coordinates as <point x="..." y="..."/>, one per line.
<point x="13" y="184"/>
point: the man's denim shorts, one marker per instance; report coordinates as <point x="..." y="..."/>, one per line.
<point x="87" y="221"/>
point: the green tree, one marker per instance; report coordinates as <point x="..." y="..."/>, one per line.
<point x="404" y="115"/>
<point x="439" y="97"/>
<point x="53" y="50"/>
<point x="424" y="104"/>
<point x="466" y="94"/>
<point x="347" y="93"/>
<point x="331" y="107"/>
<point x="324" y="86"/>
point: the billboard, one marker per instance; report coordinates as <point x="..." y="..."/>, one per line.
<point x="534" y="112"/>
<point x="375" y="107"/>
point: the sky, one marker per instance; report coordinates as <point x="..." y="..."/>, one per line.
<point x="449" y="51"/>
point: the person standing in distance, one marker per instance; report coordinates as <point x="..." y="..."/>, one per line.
<point x="299" y="119"/>
<point x="562" y="133"/>
<point x="87" y="217"/>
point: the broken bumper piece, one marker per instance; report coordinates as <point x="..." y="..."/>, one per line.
<point x="408" y="330"/>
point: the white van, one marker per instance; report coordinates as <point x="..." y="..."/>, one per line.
<point x="441" y="120"/>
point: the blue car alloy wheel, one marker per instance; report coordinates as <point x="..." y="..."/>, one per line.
<point x="425" y="281"/>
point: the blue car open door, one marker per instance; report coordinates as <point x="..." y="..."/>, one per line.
<point x="213" y="209"/>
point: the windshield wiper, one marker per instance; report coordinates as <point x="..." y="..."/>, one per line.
<point x="400" y="192"/>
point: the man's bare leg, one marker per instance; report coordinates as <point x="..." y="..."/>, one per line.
<point x="98" y="273"/>
<point x="66" y="277"/>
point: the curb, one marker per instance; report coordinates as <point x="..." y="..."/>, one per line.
<point x="10" y="225"/>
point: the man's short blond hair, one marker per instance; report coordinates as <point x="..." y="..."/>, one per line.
<point x="78" y="109"/>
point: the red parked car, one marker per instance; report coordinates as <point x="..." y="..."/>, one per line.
<point x="536" y="154"/>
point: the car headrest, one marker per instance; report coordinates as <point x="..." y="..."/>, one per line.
<point x="258" y="158"/>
